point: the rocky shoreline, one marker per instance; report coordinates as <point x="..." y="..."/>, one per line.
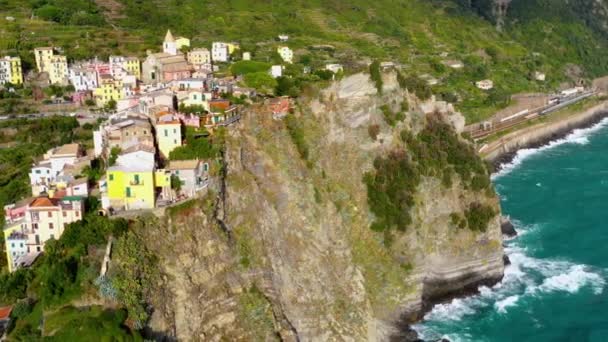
<point x="504" y="150"/>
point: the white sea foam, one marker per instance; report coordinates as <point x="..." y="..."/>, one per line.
<point x="502" y="305"/>
<point x="578" y="136"/>
<point x="573" y="280"/>
<point x="525" y="277"/>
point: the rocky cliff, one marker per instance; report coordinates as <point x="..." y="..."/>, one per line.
<point x="282" y="247"/>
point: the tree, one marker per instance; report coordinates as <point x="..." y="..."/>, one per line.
<point x="110" y="106"/>
<point x="114" y="152"/>
<point x="261" y="81"/>
<point x="176" y="183"/>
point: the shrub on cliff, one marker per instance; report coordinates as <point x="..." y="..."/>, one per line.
<point x="390" y="190"/>
<point x="437" y="151"/>
<point x="478" y="216"/>
<point x="376" y="75"/>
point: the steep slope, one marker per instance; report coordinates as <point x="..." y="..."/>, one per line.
<point x="289" y="253"/>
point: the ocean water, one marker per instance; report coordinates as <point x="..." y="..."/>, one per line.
<point x="556" y="288"/>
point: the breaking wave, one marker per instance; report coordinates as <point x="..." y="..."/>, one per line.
<point x="524" y="279"/>
<point x="578" y="136"/>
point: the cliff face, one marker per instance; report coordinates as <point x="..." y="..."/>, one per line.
<point x="293" y="256"/>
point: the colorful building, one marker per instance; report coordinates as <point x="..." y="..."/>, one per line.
<point x="56" y="66"/>
<point x="45" y="218"/>
<point x="168" y="134"/>
<point x="10" y="70"/>
<point x="109" y="89"/>
<point x="130" y="65"/>
<point x="199" y="58"/>
<point x="133" y="182"/>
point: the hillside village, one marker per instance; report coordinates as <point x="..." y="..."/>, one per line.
<point x="154" y="144"/>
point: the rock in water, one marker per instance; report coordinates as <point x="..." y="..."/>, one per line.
<point x="507" y="228"/>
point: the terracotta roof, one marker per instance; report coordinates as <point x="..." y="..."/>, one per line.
<point x="5" y="312"/>
<point x="43" y="202"/>
<point x="183" y="164"/>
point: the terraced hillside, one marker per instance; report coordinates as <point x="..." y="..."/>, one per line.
<point x="537" y="36"/>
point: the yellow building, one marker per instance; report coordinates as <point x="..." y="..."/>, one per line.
<point x="133" y="66"/>
<point x="109" y="89"/>
<point x="129" y="64"/>
<point x="168" y="134"/>
<point x="56" y="66"/>
<point x="10" y="70"/>
<point x="134" y="183"/>
<point x="232" y="47"/>
<point x="43" y="57"/>
<point x="181" y="42"/>
<point x="199" y="57"/>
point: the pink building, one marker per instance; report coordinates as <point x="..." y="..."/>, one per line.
<point x="16" y="211"/>
<point x="191" y="120"/>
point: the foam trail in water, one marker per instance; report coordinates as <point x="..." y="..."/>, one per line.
<point x="502" y="305"/>
<point x="578" y="136"/>
<point x="525" y="278"/>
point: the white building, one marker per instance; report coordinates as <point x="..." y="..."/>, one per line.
<point x="169" y="44"/>
<point x="246" y="56"/>
<point x="283" y="37"/>
<point x="220" y="52"/>
<point x="276" y="71"/>
<point x="485" y="84"/>
<point x="83" y="78"/>
<point x="286" y="54"/>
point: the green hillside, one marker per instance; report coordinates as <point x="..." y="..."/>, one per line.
<point x="419" y="34"/>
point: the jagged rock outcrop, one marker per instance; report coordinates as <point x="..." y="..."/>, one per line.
<point x="299" y="261"/>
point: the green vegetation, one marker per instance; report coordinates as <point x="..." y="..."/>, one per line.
<point x="199" y="145"/>
<point x="64" y="272"/>
<point x="296" y="132"/>
<point x="261" y="81"/>
<point x="134" y="273"/>
<point x="415" y="85"/>
<point x="88" y="324"/>
<point x="248" y="67"/>
<point x="255" y="313"/>
<point x="24" y="140"/>
<point x="538" y="35"/>
<point x="390" y="117"/>
<point x="376" y="75"/>
<point x="478" y="216"/>
<point x="437" y="151"/>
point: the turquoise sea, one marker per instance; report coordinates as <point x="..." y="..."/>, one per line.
<point x="556" y="287"/>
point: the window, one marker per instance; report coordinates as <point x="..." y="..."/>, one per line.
<point x="51" y="226"/>
<point x="12" y="245"/>
<point x="128" y="192"/>
<point x="206" y="167"/>
<point x="174" y="131"/>
<point x="38" y="249"/>
<point x="37" y="172"/>
<point x="65" y="213"/>
<point x="77" y="213"/>
<point x="50" y="214"/>
<point x="52" y="236"/>
<point x="136" y="179"/>
<point x="175" y="141"/>
<point x="166" y="133"/>
<point x="21" y="245"/>
<point x="34" y="225"/>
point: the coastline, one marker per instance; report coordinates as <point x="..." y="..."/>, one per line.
<point x="505" y="149"/>
<point x="499" y="153"/>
